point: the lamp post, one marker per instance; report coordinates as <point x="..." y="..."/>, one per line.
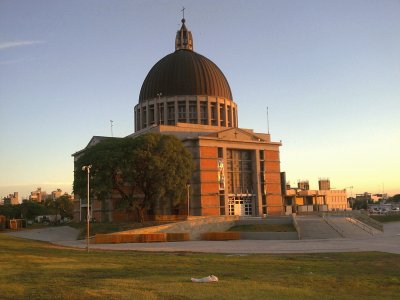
<point x="188" y="198"/>
<point x="87" y="168"/>
<point x="158" y="109"/>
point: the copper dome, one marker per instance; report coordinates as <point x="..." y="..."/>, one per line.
<point x="185" y="72"/>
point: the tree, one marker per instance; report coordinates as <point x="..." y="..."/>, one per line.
<point x="394" y="199"/>
<point x="31" y="209"/>
<point x="10" y="211"/>
<point x="64" y="206"/>
<point x="142" y="170"/>
<point x="161" y="168"/>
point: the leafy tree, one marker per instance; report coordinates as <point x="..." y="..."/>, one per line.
<point x="360" y="204"/>
<point x="10" y="211"/>
<point x="394" y="199"/>
<point x="64" y="206"/>
<point x="142" y="170"/>
<point x="31" y="209"/>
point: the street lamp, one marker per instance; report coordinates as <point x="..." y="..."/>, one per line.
<point x="87" y="168"/>
<point x="188" y="198"/>
<point x="158" y="109"/>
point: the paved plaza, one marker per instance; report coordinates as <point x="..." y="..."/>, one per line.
<point x="389" y="242"/>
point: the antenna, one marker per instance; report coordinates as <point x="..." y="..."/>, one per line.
<point x="111" y="122"/>
<point x="267" y="121"/>
<point x="183" y="12"/>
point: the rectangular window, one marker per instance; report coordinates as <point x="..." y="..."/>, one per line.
<point x="182" y="111"/>
<point x="171" y="113"/>
<point x="193" y="112"/>
<point x="239" y="172"/>
<point x="222" y="114"/>
<point x="229" y="116"/>
<point x="144" y="117"/>
<point x="261" y="154"/>
<point x="203" y="112"/>
<point x="138" y="119"/>
<point x="221" y="200"/>
<point x="220" y="152"/>
<point x="161" y="113"/>
<point x="151" y="114"/>
<point x="213" y="107"/>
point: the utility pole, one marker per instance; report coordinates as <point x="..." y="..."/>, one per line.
<point x="112" y="134"/>
<point x="87" y="168"/>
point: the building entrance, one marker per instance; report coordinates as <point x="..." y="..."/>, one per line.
<point x="241" y="205"/>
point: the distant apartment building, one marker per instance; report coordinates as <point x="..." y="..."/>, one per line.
<point x="38" y="195"/>
<point x="367" y="197"/>
<point x="378" y="197"/>
<point x="302" y="199"/>
<point x="11" y="199"/>
<point x="56" y="194"/>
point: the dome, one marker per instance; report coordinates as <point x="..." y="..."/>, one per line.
<point x="185" y="72"/>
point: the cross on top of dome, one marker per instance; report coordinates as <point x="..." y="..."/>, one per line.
<point x="184" y="39"/>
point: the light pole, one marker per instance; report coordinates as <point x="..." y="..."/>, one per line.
<point x="158" y="109"/>
<point x="188" y="198"/>
<point x="87" y="168"/>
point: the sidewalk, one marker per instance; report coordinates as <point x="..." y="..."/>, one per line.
<point x="388" y="242"/>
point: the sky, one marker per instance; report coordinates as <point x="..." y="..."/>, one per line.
<point x="328" y="71"/>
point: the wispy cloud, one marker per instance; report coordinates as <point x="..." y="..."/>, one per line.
<point x="14" y="61"/>
<point x="13" y="44"/>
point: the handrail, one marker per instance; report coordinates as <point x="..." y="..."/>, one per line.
<point x="358" y="215"/>
<point x="360" y="224"/>
<point x="335" y="227"/>
<point x="296" y="225"/>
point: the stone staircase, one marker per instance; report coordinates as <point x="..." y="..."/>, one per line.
<point x="315" y="227"/>
<point x="333" y="226"/>
<point x="347" y="229"/>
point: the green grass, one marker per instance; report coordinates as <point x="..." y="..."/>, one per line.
<point x="37" y="270"/>
<point x="386" y="218"/>
<point x="264" y="228"/>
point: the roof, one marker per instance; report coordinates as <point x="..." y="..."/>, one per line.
<point x="185" y="72"/>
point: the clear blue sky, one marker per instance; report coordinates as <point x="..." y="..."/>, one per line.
<point x="329" y="71"/>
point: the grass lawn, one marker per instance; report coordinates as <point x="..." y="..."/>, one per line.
<point x="264" y="228"/>
<point x="386" y="218"/>
<point x="38" y="270"/>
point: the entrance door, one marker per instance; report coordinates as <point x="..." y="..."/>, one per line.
<point x="240" y="205"/>
<point x="239" y="208"/>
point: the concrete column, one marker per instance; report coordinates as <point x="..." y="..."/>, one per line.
<point x="165" y="111"/>
<point x="187" y="110"/>
<point x="218" y="114"/>
<point x="156" y="116"/>
<point x="135" y="118"/>
<point x="176" y="110"/>
<point x="257" y="210"/>
<point x="198" y="111"/>
<point x="226" y="113"/>
<point x="208" y="112"/>
<point x="232" y="116"/>
<point x="147" y="114"/>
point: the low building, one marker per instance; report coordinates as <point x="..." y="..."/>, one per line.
<point x="56" y="194"/>
<point x="11" y="199"/>
<point x="38" y="195"/>
<point x="302" y="199"/>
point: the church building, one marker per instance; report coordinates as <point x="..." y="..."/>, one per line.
<point x="237" y="171"/>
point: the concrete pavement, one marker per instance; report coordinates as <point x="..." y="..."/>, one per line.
<point x="50" y="234"/>
<point x="389" y="242"/>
